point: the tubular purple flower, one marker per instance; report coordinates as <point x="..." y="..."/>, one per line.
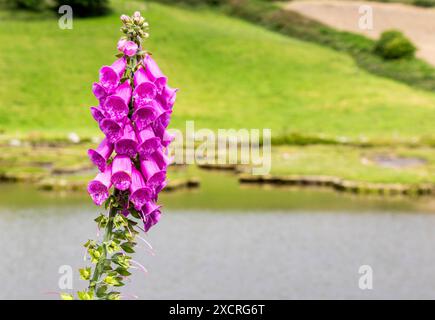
<point x="150" y="214"/>
<point x="159" y="128"/>
<point x="139" y="192"/>
<point x="116" y="105"/>
<point x="121" y="172"/>
<point x="100" y="156"/>
<point x="112" y="129"/>
<point x="167" y="138"/>
<point x="98" y="188"/>
<point x="153" y="174"/>
<point x="110" y="75"/>
<point x="119" y="66"/>
<point x="143" y="117"/>
<point x="121" y="44"/>
<point x="148" y="142"/>
<point x="168" y="96"/>
<point x="144" y="94"/>
<point x="130" y="48"/>
<point x="99" y="92"/>
<point x="134" y="112"/>
<point x="127" y="144"/>
<point x="140" y="76"/>
<point x="161" y="159"/>
<point x="97" y="114"/>
<point x="154" y="73"/>
<point x="163" y="120"/>
<point x="160" y="187"/>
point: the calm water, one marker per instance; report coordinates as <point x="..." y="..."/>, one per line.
<point x="227" y="242"/>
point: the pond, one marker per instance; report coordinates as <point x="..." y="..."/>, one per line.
<point x="224" y="241"/>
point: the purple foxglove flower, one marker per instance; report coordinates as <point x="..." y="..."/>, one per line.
<point x="121" y="172"/>
<point x="127" y="144"/>
<point x="100" y="156"/>
<point x="121" y="44"/>
<point x="119" y="66"/>
<point x="148" y="142"/>
<point x="98" y="188"/>
<point x="153" y="174"/>
<point x="97" y="114"/>
<point x="162" y="121"/>
<point x="112" y="129"/>
<point x="130" y="48"/>
<point x="99" y="92"/>
<point x="160" y="187"/>
<point x="110" y="76"/>
<point x="140" y="76"/>
<point x="140" y="193"/>
<point x="144" y="93"/>
<point x="116" y="105"/>
<point x="168" y="97"/>
<point x="161" y="159"/>
<point x="167" y="138"/>
<point x="159" y="128"/>
<point x="154" y="74"/>
<point x="143" y="117"/>
<point x="150" y="214"/>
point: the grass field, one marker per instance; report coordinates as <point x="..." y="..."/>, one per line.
<point x="231" y="75"/>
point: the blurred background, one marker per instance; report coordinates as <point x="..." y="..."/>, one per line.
<point x="347" y="88"/>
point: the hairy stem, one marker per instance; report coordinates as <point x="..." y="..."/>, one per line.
<point x="107" y="236"/>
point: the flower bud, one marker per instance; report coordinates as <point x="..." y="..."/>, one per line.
<point x="125" y="18"/>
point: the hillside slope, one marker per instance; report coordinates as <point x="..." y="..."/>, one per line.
<point x="231" y="75"/>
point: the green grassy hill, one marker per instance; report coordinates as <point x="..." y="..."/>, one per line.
<point x="231" y="74"/>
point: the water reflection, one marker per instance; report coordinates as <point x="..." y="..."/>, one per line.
<point x="222" y="241"/>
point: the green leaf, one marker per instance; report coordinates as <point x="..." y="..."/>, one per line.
<point x="123" y="272"/>
<point x="127" y="247"/>
<point x="108" y="202"/>
<point x="119" y="235"/>
<point x="66" y="296"/>
<point x="101" y="291"/>
<point x="119" y="55"/>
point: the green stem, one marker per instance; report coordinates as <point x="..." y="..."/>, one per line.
<point x="107" y="236"/>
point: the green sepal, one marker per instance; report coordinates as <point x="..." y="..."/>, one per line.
<point x="112" y="246"/>
<point x="113" y="281"/>
<point x="114" y="296"/>
<point x="119" y="235"/>
<point x="85" y="273"/>
<point x="85" y="295"/>
<point x="66" y="296"/>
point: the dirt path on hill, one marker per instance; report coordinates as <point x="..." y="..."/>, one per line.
<point x="417" y="23"/>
